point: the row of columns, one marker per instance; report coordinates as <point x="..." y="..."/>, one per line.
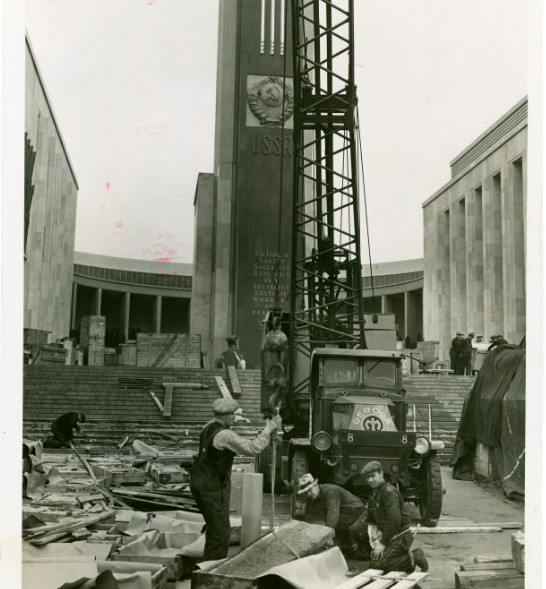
<point x="478" y="278"/>
<point x="411" y="324"/>
<point x="125" y="309"/>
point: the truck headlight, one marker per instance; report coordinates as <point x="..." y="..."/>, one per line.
<point x="422" y="446"/>
<point x="322" y="441"/>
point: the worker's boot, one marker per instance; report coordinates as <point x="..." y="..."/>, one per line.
<point x="420" y="559"/>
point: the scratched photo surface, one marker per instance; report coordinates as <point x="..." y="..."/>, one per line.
<point x="134" y="115"/>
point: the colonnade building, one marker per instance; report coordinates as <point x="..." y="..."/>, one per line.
<point x="135" y="296"/>
<point x="398" y="289"/>
<point x="475" y="236"/>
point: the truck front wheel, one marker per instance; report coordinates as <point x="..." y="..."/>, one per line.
<point x="300" y="465"/>
<point x="432" y="492"/>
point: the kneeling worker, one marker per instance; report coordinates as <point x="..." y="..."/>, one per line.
<point x="63" y="430"/>
<point x="341" y="511"/>
<point x="389" y="533"/>
<point x="210" y="476"/>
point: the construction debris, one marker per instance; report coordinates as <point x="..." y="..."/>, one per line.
<point x="494" y="572"/>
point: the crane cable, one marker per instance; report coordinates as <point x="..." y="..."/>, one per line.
<point x="276" y="299"/>
<point x="359" y="146"/>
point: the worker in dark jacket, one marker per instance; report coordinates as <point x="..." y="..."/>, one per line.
<point x="63" y="430"/>
<point x="210" y="476"/>
<point x="389" y="532"/>
<point x="341" y="511"/>
<point x="457" y="353"/>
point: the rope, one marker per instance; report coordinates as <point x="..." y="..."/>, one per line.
<point x="359" y="145"/>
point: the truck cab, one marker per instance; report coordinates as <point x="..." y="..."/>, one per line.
<point x="356" y="412"/>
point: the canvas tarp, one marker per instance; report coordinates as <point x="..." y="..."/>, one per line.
<point x="494" y="415"/>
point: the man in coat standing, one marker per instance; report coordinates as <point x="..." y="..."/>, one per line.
<point x="389" y="532"/>
<point x="210" y="476"/>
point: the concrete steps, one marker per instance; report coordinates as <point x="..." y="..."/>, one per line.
<point x="117" y="403"/>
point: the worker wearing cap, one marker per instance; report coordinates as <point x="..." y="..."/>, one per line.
<point x="210" y="476"/>
<point x="341" y="511"/>
<point x="389" y="532"/>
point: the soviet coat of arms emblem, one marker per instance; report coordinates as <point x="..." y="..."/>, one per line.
<point x="271" y="101"/>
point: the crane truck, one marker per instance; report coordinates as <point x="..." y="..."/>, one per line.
<point x="342" y="401"/>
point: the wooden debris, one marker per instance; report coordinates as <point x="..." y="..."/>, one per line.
<point x="518" y="551"/>
<point x="504" y="579"/>
<point x="168" y="473"/>
<point x="484" y="566"/>
<point x="50" y="532"/>
<point x="234" y="379"/>
<point x="168" y="402"/>
<point x="156" y="400"/>
<point x="457" y="530"/>
<point x="224" y="391"/>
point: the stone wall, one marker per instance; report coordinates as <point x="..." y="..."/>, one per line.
<point x="49" y="248"/>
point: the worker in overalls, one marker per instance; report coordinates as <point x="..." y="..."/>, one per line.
<point x="210" y="476"/>
<point x="389" y="532"/>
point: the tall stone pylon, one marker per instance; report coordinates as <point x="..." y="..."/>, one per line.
<point x="243" y="210"/>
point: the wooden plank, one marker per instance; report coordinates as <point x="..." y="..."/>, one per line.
<point x="457" y="530"/>
<point x="156" y="400"/>
<point x="224" y="391"/>
<point x="488" y="566"/>
<point x="167" y="407"/>
<point x="234" y="379"/>
<point x="489" y="580"/>
<point x="360" y="580"/>
<point x="410" y="581"/>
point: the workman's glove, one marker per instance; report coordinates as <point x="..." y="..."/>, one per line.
<point x="239" y="417"/>
<point x="273" y="424"/>
<point x="378" y="551"/>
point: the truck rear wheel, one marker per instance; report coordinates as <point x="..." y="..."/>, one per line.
<point x="432" y="496"/>
<point x="300" y="465"/>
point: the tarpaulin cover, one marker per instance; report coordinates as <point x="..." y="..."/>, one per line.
<point x="494" y="415"/>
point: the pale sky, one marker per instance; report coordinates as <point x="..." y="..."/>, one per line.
<point x="132" y="83"/>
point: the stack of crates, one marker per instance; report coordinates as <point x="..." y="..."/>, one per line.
<point x="92" y="333"/>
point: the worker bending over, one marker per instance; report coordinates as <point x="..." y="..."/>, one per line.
<point x="63" y="428"/>
<point x="210" y="476"/>
<point x="389" y="533"/>
<point x="341" y="511"/>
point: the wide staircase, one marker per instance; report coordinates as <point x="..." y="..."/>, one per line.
<point x="119" y="402"/>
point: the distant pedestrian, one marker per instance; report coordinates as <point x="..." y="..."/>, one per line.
<point x="497" y="340"/>
<point x="469" y="354"/>
<point x="231" y="356"/>
<point x="210" y="476"/>
<point x="389" y="532"/>
<point x="457" y="353"/>
<point x="63" y="428"/>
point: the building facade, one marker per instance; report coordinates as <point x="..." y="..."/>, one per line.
<point x="474" y="239"/>
<point x="51" y="190"/>
<point x="241" y="257"/>
<point x="133" y="295"/>
<point x="397" y="288"/>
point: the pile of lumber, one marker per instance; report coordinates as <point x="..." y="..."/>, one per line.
<point x="168" y="350"/>
<point x="495" y="572"/>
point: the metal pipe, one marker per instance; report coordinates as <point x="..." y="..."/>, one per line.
<point x="414" y="419"/>
<point x="429" y="423"/>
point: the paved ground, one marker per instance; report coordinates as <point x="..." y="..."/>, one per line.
<point x="463" y="499"/>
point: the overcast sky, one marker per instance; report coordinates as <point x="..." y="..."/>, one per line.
<point x="132" y="83"/>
